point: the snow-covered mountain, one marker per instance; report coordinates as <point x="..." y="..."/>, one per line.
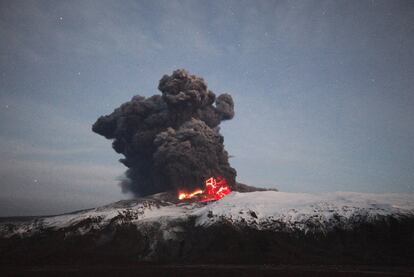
<point x="261" y="210"/>
<point x="273" y="225"/>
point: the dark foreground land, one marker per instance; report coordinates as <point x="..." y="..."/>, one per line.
<point x="118" y="240"/>
<point x="364" y="251"/>
<point x="389" y="244"/>
<point x="206" y="270"/>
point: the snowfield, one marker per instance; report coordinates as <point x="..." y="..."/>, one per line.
<point x="305" y="211"/>
<point x="264" y="210"/>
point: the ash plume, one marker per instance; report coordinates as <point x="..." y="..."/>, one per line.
<point x="172" y="140"/>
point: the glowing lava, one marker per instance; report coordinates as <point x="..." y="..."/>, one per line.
<point x="184" y="195"/>
<point x="214" y="189"/>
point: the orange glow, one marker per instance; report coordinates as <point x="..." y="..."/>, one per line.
<point x="214" y="189"/>
<point x="184" y="195"/>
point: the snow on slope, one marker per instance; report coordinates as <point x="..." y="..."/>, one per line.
<point x="305" y="211"/>
<point x="261" y="210"/>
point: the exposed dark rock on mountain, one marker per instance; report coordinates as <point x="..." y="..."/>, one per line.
<point x="242" y="228"/>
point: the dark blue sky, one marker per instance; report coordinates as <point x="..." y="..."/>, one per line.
<point x="324" y="91"/>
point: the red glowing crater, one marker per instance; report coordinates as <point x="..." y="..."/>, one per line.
<point x="215" y="188"/>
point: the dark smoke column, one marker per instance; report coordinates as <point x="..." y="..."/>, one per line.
<point x="172" y="140"/>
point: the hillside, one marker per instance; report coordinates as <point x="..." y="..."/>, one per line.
<point x="255" y="227"/>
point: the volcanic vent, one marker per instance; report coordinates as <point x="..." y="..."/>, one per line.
<point x="214" y="189"/>
<point x="171" y="142"/>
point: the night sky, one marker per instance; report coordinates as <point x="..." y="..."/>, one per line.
<point x="324" y="91"/>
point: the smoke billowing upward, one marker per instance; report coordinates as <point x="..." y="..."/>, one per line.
<point x="172" y="140"/>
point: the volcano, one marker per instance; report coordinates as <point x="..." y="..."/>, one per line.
<point x="262" y="227"/>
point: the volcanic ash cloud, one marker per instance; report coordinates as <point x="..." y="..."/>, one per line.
<point x="171" y="141"/>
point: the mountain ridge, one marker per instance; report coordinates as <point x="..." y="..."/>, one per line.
<point x="253" y="227"/>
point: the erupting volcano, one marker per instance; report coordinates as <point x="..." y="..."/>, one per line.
<point x="172" y="141"/>
<point x="214" y="189"/>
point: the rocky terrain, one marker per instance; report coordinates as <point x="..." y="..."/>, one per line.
<point x="263" y="227"/>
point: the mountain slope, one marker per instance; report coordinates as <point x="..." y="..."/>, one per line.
<point x="255" y="227"/>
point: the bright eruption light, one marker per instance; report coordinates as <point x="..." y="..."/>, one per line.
<point x="214" y="189"/>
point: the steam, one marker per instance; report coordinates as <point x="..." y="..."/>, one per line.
<point x="172" y="140"/>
